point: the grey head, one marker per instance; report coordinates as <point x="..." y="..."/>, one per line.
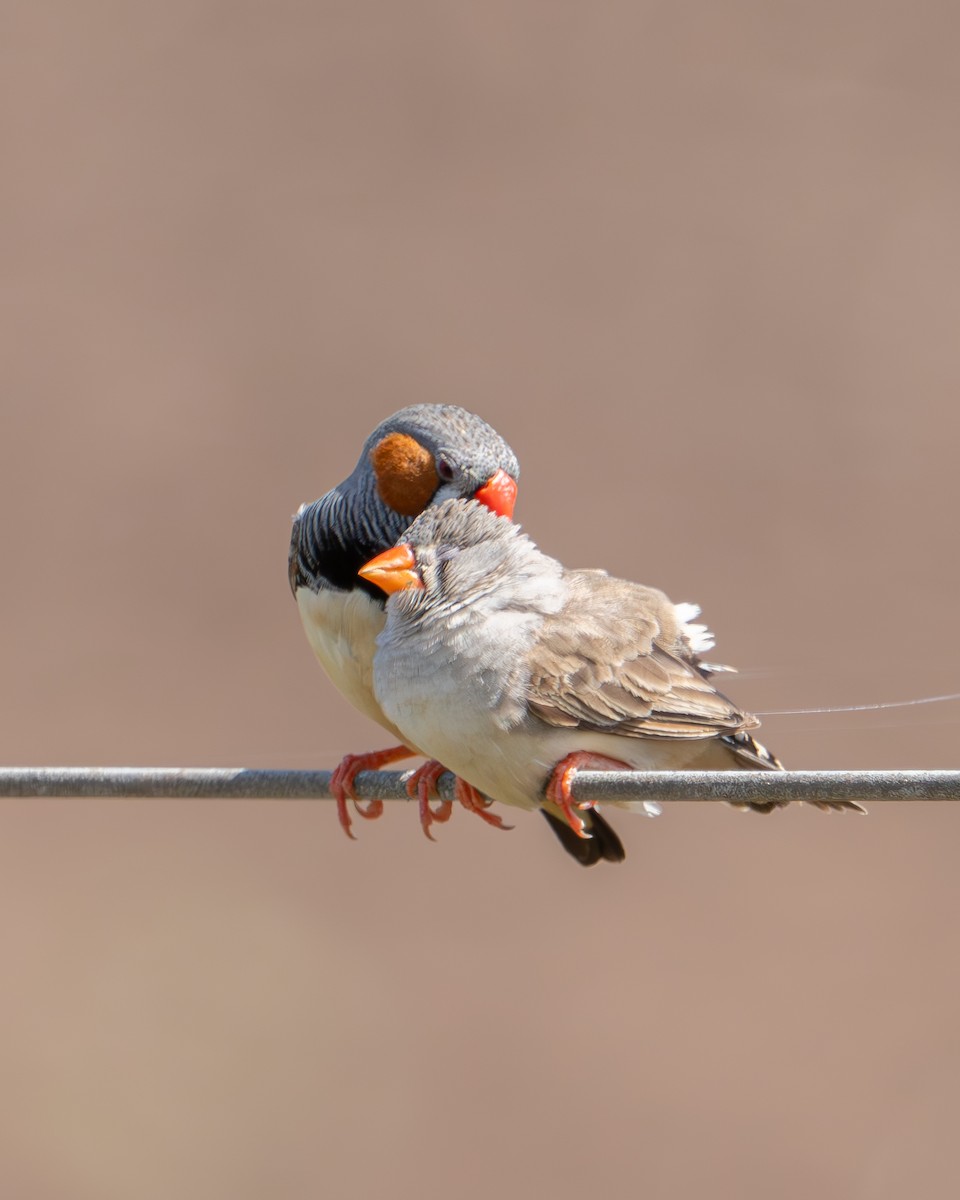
<point x="420" y="456"/>
<point x="470" y="560"/>
<point x="429" y="453"/>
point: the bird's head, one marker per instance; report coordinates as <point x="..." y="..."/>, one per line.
<point x="429" y="453"/>
<point x="458" y="554"/>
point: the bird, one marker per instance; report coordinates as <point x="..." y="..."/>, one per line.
<point x="419" y="456"/>
<point x="516" y="672"/>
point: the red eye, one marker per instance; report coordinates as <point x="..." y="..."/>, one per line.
<point x="445" y="470"/>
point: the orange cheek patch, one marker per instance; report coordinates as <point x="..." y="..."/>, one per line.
<point x="406" y="474"/>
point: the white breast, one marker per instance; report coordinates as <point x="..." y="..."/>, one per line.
<point x="342" y="629"/>
<point x="454" y="697"/>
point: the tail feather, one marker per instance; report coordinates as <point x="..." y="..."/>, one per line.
<point x="602" y="846"/>
<point x="750" y="753"/>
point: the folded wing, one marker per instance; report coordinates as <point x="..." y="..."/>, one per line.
<point x="617" y="658"/>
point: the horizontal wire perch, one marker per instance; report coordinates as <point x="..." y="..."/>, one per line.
<point x="239" y="783"/>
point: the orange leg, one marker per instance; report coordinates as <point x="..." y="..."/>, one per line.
<point x="475" y="802"/>
<point x="343" y="779"/>
<point x="560" y="783"/>
<point x="421" y="785"/>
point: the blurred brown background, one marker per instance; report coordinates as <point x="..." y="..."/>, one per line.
<point x="700" y="264"/>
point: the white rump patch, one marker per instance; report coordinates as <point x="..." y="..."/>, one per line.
<point x="700" y="638"/>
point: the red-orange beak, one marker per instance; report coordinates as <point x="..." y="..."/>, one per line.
<point x="499" y="494"/>
<point x="393" y="570"/>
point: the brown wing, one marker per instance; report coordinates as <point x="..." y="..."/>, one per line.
<point x="615" y="660"/>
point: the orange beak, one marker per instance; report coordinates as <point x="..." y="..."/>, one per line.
<point x="499" y="494"/>
<point x="393" y="570"/>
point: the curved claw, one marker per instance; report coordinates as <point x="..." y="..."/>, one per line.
<point x="560" y="784"/>
<point x="475" y="802"/>
<point x="343" y="780"/>
<point x="421" y="786"/>
<point x="369" y="810"/>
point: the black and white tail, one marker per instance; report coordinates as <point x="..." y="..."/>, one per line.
<point x="753" y="755"/>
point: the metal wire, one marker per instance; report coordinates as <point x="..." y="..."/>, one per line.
<point x="239" y="783"/>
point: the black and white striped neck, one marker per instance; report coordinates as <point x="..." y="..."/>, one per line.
<point x="334" y="536"/>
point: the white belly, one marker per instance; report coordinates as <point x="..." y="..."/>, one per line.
<point x="342" y="629"/>
<point x="433" y="713"/>
<point x="513" y="765"/>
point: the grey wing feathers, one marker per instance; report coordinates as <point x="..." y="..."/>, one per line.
<point x="615" y="660"/>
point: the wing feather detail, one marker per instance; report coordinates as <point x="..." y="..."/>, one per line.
<point x="617" y="658"/>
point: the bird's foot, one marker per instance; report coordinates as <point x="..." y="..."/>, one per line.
<point x="560" y="784"/>
<point x="475" y="802"/>
<point x="343" y="779"/>
<point x="421" y="786"/>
